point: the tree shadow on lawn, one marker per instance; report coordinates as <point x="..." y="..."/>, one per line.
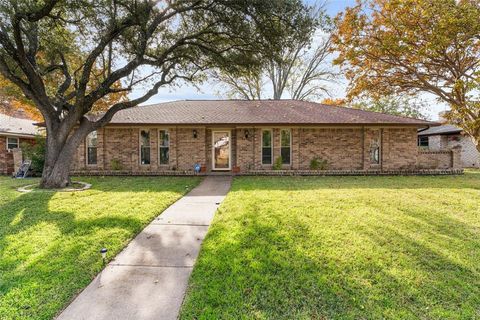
<point x="139" y="183"/>
<point x="47" y="254"/>
<point x="252" y="268"/>
<point x="469" y="180"/>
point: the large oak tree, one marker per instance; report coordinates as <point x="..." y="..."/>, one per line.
<point x="300" y="67"/>
<point x="67" y="55"/>
<point x="415" y="46"/>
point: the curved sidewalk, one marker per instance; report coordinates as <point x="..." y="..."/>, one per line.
<point x="148" y="279"/>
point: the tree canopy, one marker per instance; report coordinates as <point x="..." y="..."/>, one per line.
<point x="66" y="56"/>
<point x="299" y="67"/>
<point x="394" y="105"/>
<point x="415" y="46"/>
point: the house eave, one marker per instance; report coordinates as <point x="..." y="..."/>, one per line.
<point x="15" y="134"/>
<point x="270" y="124"/>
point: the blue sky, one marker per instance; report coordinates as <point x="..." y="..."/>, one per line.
<point x="208" y="91"/>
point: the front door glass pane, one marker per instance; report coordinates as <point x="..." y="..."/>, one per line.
<point x="221" y="147"/>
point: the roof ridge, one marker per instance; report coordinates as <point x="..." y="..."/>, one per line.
<point x="242" y="100"/>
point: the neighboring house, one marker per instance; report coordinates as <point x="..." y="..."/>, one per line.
<point x="249" y="137"/>
<point x="446" y="137"/>
<point x="13" y="132"/>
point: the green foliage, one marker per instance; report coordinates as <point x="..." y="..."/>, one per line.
<point x="394" y="105"/>
<point x="116" y="164"/>
<point x="415" y="46"/>
<point x="36" y="153"/>
<point x="277" y="165"/>
<point x="341" y="248"/>
<point x="50" y="240"/>
<point x="318" y="164"/>
<point x="85" y="56"/>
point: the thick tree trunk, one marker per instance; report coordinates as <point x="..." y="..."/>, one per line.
<point x="56" y="170"/>
<point x="60" y="151"/>
<point x="475" y="136"/>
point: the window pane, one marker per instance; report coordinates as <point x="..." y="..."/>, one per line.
<point x="92" y="155"/>
<point x="267" y="155"/>
<point x="266" y="147"/>
<point x="423" y="141"/>
<point x="145" y="147"/>
<point x="145" y="155"/>
<point x="285" y="153"/>
<point x="145" y="138"/>
<point x="164" y="155"/>
<point x="267" y="138"/>
<point x="285" y="138"/>
<point x="92" y="147"/>
<point x="92" y="139"/>
<point x="375" y="145"/>
<point x="164" y="143"/>
<point x="12" y="143"/>
<point x="164" y="138"/>
<point x="376" y="155"/>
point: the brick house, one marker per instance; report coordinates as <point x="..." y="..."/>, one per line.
<point x="13" y="132"/>
<point x="446" y="137"/>
<point x="249" y="137"/>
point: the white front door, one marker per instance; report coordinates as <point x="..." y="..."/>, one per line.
<point x="221" y="150"/>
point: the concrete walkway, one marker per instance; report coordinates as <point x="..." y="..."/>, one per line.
<point x="148" y="279"/>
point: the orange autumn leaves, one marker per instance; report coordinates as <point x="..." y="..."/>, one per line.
<point x="14" y="103"/>
<point x="411" y="47"/>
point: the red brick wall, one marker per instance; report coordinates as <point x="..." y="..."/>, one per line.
<point x="434" y="159"/>
<point x="399" y="148"/>
<point x="342" y="148"/>
<point x="191" y="150"/>
<point x="440" y="159"/>
<point x="122" y="145"/>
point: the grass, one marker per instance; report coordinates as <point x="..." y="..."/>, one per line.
<point x="50" y="241"/>
<point x="342" y="248"/>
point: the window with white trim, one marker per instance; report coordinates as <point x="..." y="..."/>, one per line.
<point x="266" y="146"/>
<point x="164" y="146"/>
<point x="144" y="146"/>
<point x="423" y="141"/>
<point x="285" y="145"/>
<point x="12" y="143"/>
<point x="92" y="147"/>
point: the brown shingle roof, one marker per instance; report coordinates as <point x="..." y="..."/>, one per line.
<point x="445" y="129"/>
<point x="216" y="112"/>
<point x="17" y="126"/>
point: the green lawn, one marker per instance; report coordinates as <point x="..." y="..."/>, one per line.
<point x="50" y="241"/>
<point x="342" y="248"/>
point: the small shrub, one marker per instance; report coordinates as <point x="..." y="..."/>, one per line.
<point x="278" y="164"/>
<point x="36" y="153"/>
<point x="115" y="164"/>
<point x="318" y="164"/>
